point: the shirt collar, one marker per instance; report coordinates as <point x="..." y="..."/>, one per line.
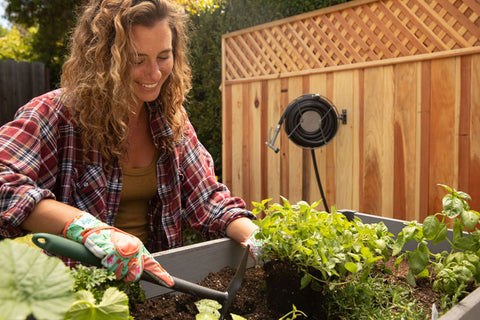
<point x="158" y="124"/>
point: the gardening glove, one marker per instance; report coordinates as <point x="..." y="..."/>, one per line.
<point x="121" y="252"/>
<point x="256" y="246"/>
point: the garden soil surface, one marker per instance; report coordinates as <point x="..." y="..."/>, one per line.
<point x="255" y="302"/>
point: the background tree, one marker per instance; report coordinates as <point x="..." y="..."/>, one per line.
<point x="16" y="44"/>
<point x="3" y="32"/>
<point x="53" y="20"/>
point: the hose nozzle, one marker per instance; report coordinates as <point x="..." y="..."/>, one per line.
<point x="271" y="138"/>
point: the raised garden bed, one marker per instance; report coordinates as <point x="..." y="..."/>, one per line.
<point x="198" y="262"/>
<point x="357" y="269"/>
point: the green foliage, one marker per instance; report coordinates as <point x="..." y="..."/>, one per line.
<point x="113" y="305"/>
<point x="27" y="239"/>
<point x="31" y="283"/>
<point x="455" y="269"/>
<point x="208" y="310"/>
<point x="343" y="252"/>
<point x="54" y="19"/>
<point x="17" y="44"/>
<point x="373" y="298"/>
<point x="337" y="249"/>
<point x="191" y="237"/>
<point x="97" y="281"/>
<point x="3" y="31"/>
<point x="198" y="7"/>
<point x="293" y="314"/>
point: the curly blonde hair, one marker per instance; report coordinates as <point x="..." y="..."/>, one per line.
<point x="96" y="77"/>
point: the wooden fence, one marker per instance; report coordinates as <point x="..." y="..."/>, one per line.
<point x="19" y="82"/>
<point x="408" y="74"/>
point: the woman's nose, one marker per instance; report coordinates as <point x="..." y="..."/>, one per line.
<point x="154" y="71"/>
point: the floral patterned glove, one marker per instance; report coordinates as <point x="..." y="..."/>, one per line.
<point x="121" y="252"/>
<point x="256" y="246"/>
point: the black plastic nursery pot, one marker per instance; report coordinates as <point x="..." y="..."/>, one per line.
<point x="194" y="262"/>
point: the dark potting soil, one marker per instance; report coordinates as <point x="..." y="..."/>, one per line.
<point x="266" y="293"/>
<point x="249" y="300"/>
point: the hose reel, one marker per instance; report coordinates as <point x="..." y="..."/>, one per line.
<point x="310" y="121"/>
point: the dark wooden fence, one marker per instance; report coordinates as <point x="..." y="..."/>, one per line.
<point x="20" y="82"/>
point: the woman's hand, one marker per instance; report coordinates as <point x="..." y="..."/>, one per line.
<point x="243" y="230"/>
<point x="255" y="246"/>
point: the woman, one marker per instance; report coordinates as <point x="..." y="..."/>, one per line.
<point x="114" y="147"/>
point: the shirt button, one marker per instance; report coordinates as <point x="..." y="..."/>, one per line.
<point x="85" y="184"/>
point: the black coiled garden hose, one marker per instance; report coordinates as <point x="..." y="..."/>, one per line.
<point x="310" y="121"/>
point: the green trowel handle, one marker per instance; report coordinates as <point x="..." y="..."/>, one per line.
<point x="66" y="248"/>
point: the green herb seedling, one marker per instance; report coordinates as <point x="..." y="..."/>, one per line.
<point x="454" y="269"/>
<point x="337" y="249"/>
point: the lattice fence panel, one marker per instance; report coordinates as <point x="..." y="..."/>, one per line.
<point x="355" y="34"/>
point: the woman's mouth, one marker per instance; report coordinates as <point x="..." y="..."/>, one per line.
<point x="149" y="86"/>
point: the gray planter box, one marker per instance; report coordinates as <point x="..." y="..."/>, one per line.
<point x="195" y="262"/>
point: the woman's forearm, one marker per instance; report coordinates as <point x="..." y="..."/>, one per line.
<point x="49" y="216"/>
<point x="241" y="229"/>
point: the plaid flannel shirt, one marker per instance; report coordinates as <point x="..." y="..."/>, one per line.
<point x="41" y="156"/>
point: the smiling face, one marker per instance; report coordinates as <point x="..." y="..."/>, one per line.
<point x="153" y="61"/>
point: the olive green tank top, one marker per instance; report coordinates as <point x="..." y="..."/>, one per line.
<point x="139" y="185"/>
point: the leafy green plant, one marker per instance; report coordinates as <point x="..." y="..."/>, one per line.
<point x="337" y="257"/>
<point x="97" y="281"/>
<point x="455" y="269"/>
<point x="37" y="286"/>
<point x="17" y="44"/>
<point x="293" y="314"/>
<point x="208" y="310"/>
<point x="91" y="279"/>
<point x="337" y="249"/>
<point x="31" y="283"/>
<point x="113" y="305"/>
<point x="373" y="298"/>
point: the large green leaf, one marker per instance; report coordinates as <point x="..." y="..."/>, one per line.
<point x="208" y="309"/>
<point x="431" y="227"/>
<point x="441" y="235"/>
<point x="114" y="306"/>
<point x="32" y="283"/>
<point x="469" y="218"/>
<point x="452" y="206"/>
<point x="418" y="259"/>
<point x="409" y="232"/>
